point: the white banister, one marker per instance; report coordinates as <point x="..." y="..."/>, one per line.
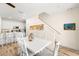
<point x="43" y="17"/>
<point x="56" y="49"/>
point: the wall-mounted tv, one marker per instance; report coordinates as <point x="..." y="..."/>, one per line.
<point x="70" y="26"/>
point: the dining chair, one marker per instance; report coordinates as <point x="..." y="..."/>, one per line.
<point x="23" y="45"/>
<point x="2" y="39"/>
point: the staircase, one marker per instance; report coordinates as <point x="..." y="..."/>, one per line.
<point x="55" y="33"/>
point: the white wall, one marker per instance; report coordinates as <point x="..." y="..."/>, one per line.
<point x="69" y="38"/>
<point x="30" y="22"/>
<point x="9" y="24"/>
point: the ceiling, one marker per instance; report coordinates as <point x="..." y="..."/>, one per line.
<point x="28" y="10"/>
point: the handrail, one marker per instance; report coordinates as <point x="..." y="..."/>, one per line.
<point x="46" y="16"/>
<point x="50" y="27"/>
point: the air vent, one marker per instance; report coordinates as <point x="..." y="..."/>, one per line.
<point x="11" y="5"/>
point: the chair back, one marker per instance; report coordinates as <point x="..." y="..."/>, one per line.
<point x="23" y="45"/>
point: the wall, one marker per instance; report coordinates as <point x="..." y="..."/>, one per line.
<point x="30" y="22"/>
<point x="68" y="38"/>
<point x="9" y="24"/>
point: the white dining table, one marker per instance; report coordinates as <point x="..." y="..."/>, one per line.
<point x="37" y="44"/>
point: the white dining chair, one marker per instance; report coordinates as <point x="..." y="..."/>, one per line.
<point x="23" y="45"/>
<point x="9" y="37"/>
<point x="2" y="39"/>
<point x="19" y="34"/>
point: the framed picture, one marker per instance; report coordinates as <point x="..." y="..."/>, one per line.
<point x="70" y="26"/>
<point x="37" y="27"/>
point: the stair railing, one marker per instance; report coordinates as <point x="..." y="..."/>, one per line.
<point x="43" y="17"/>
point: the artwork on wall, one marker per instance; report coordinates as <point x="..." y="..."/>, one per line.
<point x="37" y="27"/>
<point x="70" y="26"/>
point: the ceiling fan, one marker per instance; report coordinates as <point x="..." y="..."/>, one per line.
<point x="11" y="5"/>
